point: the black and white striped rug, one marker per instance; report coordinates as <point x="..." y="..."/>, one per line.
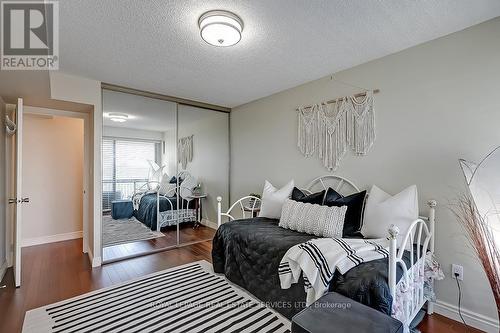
<point x="188" y="298"/>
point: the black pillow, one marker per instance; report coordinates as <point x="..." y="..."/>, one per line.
<point x="354" y="215"/>
<point x="314" y="198"/>
<point x="173" y="180"/>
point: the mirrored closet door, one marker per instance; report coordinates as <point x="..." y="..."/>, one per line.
<point x="163" y="166"/>
<point x="203" y="160"/>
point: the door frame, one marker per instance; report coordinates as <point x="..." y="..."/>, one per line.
<point x="10" y="188"/>
<point x="86" y="116"/>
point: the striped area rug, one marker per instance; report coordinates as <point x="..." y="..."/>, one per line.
<point x="188" y="298"/>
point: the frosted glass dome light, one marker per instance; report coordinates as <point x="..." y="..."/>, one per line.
<point x="220" y="28"/>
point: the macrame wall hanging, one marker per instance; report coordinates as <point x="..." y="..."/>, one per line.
<point x="329" y="129"/>
<point x="185" y="148"/>
<point x="332" y="144"/>
<point x="360" y="123"/>
<point x="308" y="130"/>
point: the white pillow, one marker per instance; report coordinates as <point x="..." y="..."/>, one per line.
<point x="165" y="187"/>
<point x="322" y="221"/>
<point x="155" y="175"/>
<point x="382" y="210"/>
<point x="273" y="199"/>
<point x="187" y="186"/>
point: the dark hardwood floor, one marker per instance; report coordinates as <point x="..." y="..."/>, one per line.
<point x="57" y="271"/>
<point x="186" y="235"/>
<point x="438" y="323"/>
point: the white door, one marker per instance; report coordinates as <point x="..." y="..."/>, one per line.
<point x="19" y="200"/>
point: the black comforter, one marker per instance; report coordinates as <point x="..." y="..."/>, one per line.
<point x="147" y="208"/>
<point x="249" y="251"/>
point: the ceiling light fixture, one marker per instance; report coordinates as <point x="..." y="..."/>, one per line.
<point x="220" y="28"/>
<point x="118" y="117"/>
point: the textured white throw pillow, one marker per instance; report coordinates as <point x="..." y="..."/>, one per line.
<point x="273" y="199"/>
<point x="165" y="187"/>
<point x="187" y="186"/>
<point x="322" y="221"/>
<point x="382" y="210"/>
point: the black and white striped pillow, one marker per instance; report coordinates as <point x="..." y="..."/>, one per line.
<point x="322" y="221"/>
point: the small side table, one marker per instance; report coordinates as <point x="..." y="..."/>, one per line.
<point x="198" y="198"/>
<point x="255" y="211"/>
<point x="336" y="313"/>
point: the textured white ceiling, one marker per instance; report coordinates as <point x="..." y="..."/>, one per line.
<point x="155" y="45"/>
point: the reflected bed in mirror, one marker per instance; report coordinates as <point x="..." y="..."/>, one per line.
<point x="159" y="183"/>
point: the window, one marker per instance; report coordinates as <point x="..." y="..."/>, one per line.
<point x="125" y="167"/>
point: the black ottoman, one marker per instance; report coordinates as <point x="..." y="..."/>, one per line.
<point x="336" y="313"/>
<point x="122" y="209"/>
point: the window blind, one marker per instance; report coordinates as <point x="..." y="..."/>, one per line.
<point x="125" y="167"/>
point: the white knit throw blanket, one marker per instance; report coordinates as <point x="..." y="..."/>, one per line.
<point x="318" y="259"/>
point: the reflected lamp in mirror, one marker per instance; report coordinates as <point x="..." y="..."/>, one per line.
<point x="118" y="117"/>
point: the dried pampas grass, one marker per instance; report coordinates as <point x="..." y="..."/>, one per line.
<point x="482" y="239"/>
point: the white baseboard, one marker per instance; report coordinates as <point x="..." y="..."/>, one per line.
<point x="3" y="269"/>
<point x="209" y="223"/>
<point x="473" y="319"/>
<point x="94" y="261"/>
<point x="51" y="239"/>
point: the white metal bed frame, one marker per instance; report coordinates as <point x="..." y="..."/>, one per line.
<point x="420" y="233"/>
<point x="173" y="216"/>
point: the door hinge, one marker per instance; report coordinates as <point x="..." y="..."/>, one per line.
<point x="25" y="200"/>
<point x="12" y="200"/>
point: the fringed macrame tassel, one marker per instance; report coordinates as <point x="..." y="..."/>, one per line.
<point x="361" y="123"/>
<point x="332" y="134"/>
<point x="307" y="131"/>
<point x="185" y="147"/>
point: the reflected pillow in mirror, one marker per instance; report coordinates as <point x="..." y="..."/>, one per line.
<point x="166" y="187"/>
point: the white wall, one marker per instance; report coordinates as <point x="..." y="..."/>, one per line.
<point x="52" y="178"/>
<point x="438" y="102"/>
<point x="210" y="163"/>
<point x="72" y="88"/>
<point x="3" y="196"/>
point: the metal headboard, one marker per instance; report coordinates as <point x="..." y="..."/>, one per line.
<point x="338" y="183"/>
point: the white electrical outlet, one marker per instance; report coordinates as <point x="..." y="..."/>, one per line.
<point x="457" y="271"/>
